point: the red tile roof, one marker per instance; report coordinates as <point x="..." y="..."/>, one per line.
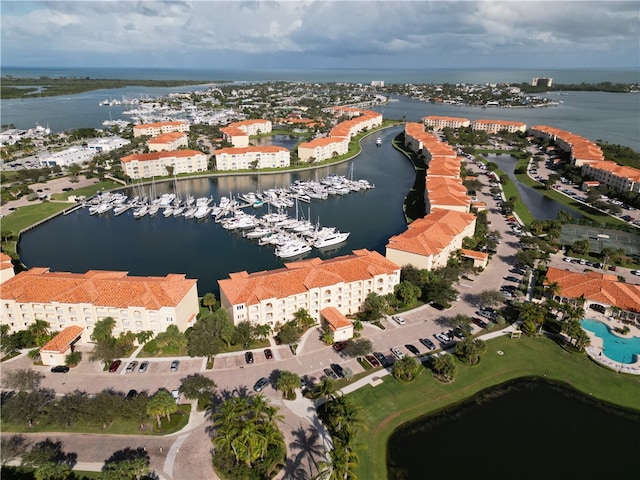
<point x="146" y="157"/>
<point x="61" y="342"/>
<point x="5" y="261"/>
<point x="158" y="124"/>
<point x="335" y="319"/>
<point x="100" y="288"/>
<point x="243" y="150"/>
<point x="167" y="137"/>
<point x="594" y="286"/>
<point x="301" y="276"/>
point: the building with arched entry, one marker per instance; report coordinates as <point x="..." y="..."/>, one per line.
<point x="601" y="292"/>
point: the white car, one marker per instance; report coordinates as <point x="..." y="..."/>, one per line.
<point x="397" y="352"/>
<point x="399" y="320"/>
<point x="636" y="272"/>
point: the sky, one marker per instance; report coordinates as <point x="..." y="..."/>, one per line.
<point x="298" y="35"/>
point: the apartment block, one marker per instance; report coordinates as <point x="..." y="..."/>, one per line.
<point x="252" y="157"/>
<point x="155" y="129"/>
<point x="147" y="165"/>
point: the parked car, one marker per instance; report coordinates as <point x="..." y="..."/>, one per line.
<point x="397" y="352"/>
<point x="443" y="338"/>
<point x="132" y="365"/>
<point x="174" y="365"/>
<point x="248" y="357"/>
<point x="114" y="366"/>
<point x="339" y="346"/>
<point x="175" y="394"/>
<point x="60" y="369"/>
<point x="382" y="358"/>
<point x="268" y="354"/>
<point x="330" y="374"/>
<point x="399" y="320"/>
<point x="512" y="279"/>
<point x="372" y="360"/>
<point x="428" y="343"/>
<point x="131" y="394"/>
<point x="479" y="322"/>
<point x="260" y="384"/>
<point x="412" y="349"/>
<point x="143" y="367"/>
<point x="338" y="369"/>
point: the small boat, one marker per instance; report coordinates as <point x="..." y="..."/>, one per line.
<point x="293" y="249"/>
<point x="331" y="239"/>
<point x="378" y="141"/>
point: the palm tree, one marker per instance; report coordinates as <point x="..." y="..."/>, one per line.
<point x="325" y="390"/>
<point x="342" y="464"/>
<point x="287" y="383"/>
<point x="209" y="300"/>
<point x="406" y="369"/>
<point x="162" y="404"/>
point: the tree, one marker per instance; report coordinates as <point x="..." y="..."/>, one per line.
<point x="134" y="466"/>
<point x="27" y="407"/>
<point x="52" y="471"/>
<point x="23" y="380"/>
<point x="461" y="321"/>
<point x="375" y="306"/>
<point x="144" y="336"/>
<point x="172" y="340"/>
<point x="303" y="319"/>
<point x="287" y="383"/>
<point x="325" y="390"/>
<point x="73" y="359"/>
<point x="12" y="447"/>
<point x="197" y="387"/>
<point x="358" y="347"/>
<point x="490" y="298"/>
<point x="444" y="367"/>
<point x="39" y="330"/>
<point x="105" y="407"/>
<point x="407" y="293"/>
<point x="161" y="404"/>
<point x="103" y="330"/>
<point x="469" y="350"/>
<point x="209" y="333"/>
<point x="289" y="333"/>
<point x="406" y="369"/>
<point x="209" y="300"/>
<point x="581" y="247"/>
<point x="243" y="334"/>
<point x="69" y="408"/>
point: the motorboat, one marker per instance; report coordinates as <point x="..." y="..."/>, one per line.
<point x="293" y="249"/>
<point x="331" y="239"/>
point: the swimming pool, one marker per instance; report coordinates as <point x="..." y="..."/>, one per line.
<point x="623" y="350"/>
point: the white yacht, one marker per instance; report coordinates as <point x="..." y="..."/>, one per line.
<point x="331" y="239"/>
<point x="293" y="249"/>
<point x="141" y="212"/>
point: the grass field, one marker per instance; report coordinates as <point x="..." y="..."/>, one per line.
<point x="26" y="216"/>
<point x="391" y="404"/>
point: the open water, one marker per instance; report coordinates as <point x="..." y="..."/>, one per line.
<point x="525" y="430"/>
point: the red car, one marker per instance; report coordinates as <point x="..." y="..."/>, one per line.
<point x="338" y="346"/>
<point x="268" y="354"/>
<point x="114" y="366"/>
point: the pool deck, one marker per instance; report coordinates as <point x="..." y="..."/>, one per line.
<point x="596" y="348"/>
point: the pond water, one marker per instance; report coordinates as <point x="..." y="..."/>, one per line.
<point x="528" y="429"/>
<point x="542" y="207"/>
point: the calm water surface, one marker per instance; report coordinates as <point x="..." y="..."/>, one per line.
<point x="203" y="249"/>
<point x="532" y="430"/>
<point x="543" y="208"/>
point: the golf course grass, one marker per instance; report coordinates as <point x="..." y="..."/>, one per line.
<point x="391" y="404"/>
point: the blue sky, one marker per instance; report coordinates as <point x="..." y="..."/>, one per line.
<point x="320" y="34"/>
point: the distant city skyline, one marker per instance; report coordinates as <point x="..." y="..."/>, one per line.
<point x="310" y="34"/>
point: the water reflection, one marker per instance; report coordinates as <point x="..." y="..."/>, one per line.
<point x="540" y="206"/>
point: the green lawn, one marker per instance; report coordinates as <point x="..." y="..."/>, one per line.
<point x="26" y="216"/>
<point x="391" y="404"/>
<point x="120" y="426"/>
<point x="87" y="191"/>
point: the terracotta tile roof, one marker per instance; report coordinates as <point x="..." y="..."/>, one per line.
<point x="621" y="171"/>
<point x="99" y="288"/>
<point x="335" y="319"/>
<point x="146" y="157"/>
<point x="321" y="142"/>
<point x="594" y="286"/>
<point x="243" y="123"/>
<point x="506" y="123"/>
<point x="233" y="131"/>
<point x="433" y="233"/>
<point x="60" y="343"/>
<point x="167" y="137"/>
<point x="5" y="261"/>
<point x="299" y="277"/>
<point x="581" y="148"/>
<point x="243" y="150"/>
<point x="474" y="254"/>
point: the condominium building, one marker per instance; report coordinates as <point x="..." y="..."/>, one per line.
<point x="495" y="126"/>
<point x="618" y="177"/>
<point x="146" y="165"/>
<point x="273" y="297"/>
<point x="237" y="133"/>
<point x="428" y="242"/>
<point x="337" y="143"/>
<point x="320" y="149"/>
<point x="64" y="299"/>
<point x="437" y="122"/>
<point x="447" y="193"/>
<point x="168" y="142"/>
<point x="155" y="129"/>
<point x="252" y="157"/>
<point x="580" y="149"/>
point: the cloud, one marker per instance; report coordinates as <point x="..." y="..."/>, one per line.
<point x="349" y="33"/>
